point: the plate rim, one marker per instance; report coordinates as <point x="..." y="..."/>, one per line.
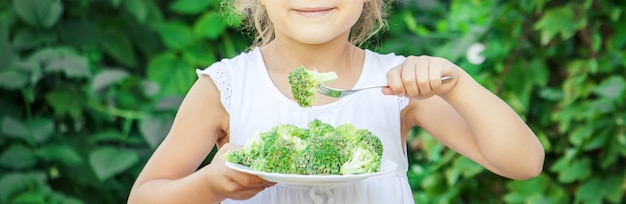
<point x="303" y="179"/>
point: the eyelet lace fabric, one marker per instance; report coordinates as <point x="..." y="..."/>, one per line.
<point x="403" y="102"/>
<point x="221" y="78"/>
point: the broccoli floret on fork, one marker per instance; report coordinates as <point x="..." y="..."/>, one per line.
<point x="305" y="84"/>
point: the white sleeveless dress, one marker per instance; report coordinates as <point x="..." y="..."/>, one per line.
<point x="255" y="104"/>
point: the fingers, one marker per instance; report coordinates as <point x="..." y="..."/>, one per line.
<point x="234" y="184"/>
<point x="434" y="75"/>
<point x="239" y="192"/>
<point x="244" y="186"/>
<point x="247" y="194"/>
<point x="247" y="181"/>
<point x="394" y="81"/>
<point x="418" y="77"/>
<point x="423" y="67"/>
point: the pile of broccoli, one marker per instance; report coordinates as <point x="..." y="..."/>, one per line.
<point x="320" y="149"/>
<point x="305" y="84"/>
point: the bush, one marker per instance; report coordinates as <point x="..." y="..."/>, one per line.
<point x="559" y="64"/>
<point x="90" y="88"/>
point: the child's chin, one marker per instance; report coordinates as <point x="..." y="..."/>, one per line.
<point x="316" y="39"/>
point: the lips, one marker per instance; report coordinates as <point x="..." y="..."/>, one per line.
<point x="313" y="11"/>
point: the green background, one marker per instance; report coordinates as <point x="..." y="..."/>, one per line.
<point x="88" y="89"/>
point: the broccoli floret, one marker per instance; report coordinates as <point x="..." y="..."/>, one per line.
<point x="305" y="84"/>
<point x="365" y="150"/>
<point x="317" y="128"/>
<point x="362" y="161"/>
<point x="366" y="154"/>
<point x="324" y="156"/>
<point x="239" y="157"/>
<point x="319" y="150"/>
<point x="249" y="153"/>
<point x="282" y="146"/>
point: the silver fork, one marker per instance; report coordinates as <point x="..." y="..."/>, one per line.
<point x="338" y="93"/>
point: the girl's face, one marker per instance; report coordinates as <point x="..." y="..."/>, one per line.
<point x="313" y="21"/>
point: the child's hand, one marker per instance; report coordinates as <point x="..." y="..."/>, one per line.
<point x="420" y="77"/>
<point x="229" y="183"/>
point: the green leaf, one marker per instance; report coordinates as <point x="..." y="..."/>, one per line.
<point x="13" y="79"/>
<point x="432" y="180"/>
<point x="596" y="40"/>
<point x="599" y="138"/>
<point x="30" y="197"/>
<point x="155" y="128"/>
<point x="80" y="33"/>
<point x="41" y="129"/>
<point x="64" y="199"/>
<point x="579" y="135"/>
<point x="577" y="170"/>
<point x="172" y="75"/>
<point x="176" y="35"/>
<point x="107" y="161"/>
<point x="18" y="156"/>
<point x="468" y="167"/>
<point x="7" y="54"/>
<point x="211" y="25"/>
<point x="62" y="59"/>
<point x="560" y="20"/>
<point x="170" y="103"/>
<point x="116" y="3"/>
<point x="597" y="188"/>
<point x="137" y="8"/>
<point x="34" y="131"/>
<point x="591" y="191"/>
<point x="12" y="183"/>
<point x="611" y="88"/>
<point x="108" y="77"/>
<point x="39" y="13"/>
<point x="15" y="128"/>
<point x="614" y="189"/>
<point x="25" y="39"/>
<point x="73" y="67"/>
<point x="64" y="154"/>
<point x="610" y="153"/>
<point x="149" y="88"/>
<point x="618" y="39"/>
<point x="551" y="94"/>
<point x="64" y="102"/>
<point x="145" y="38"/>
<point x="199" y="55"/>
<point x="191" y="6"/>
<point x="537" y="72"/>
<point x="598" y="107"/>
<point x="107" y="136"/>
<point x="120" y="47"/>
<point x="521" y="190"/>
<point x="452" y="176"/>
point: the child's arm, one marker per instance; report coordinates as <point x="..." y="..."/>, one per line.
<point x="170" y="175"/>
<point x="467" y="118"/>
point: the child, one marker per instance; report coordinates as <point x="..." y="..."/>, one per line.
<point x="234" y="98"/>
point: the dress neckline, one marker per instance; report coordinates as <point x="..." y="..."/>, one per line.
<point x="274" y="91"/>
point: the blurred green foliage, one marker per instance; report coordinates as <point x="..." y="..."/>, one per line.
<point x="89" y="88"/>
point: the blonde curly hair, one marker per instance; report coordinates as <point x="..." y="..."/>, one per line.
<point x="372" y="20"/>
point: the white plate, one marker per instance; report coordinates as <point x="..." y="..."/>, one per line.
<point x="386" y="166"/>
